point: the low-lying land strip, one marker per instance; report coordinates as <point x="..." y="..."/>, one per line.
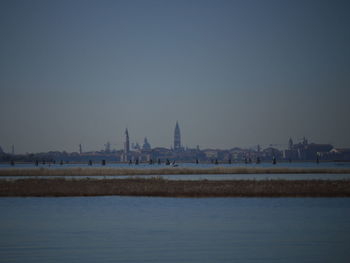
<point x="96" y="171"/>
<point x="173" y="188"/>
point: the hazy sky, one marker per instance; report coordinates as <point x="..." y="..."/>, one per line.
<point x="233" y="73"/>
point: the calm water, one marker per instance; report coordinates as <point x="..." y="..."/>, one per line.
<point x="135" y="229"/>
<point x="339" y="165"/>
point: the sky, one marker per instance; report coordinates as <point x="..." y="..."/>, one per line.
<point x="232" y="73"/>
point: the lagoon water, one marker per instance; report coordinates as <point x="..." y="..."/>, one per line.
<point x="140" y="229"/>
<point x="320" y="176"/>
<point x="336" y="165"/>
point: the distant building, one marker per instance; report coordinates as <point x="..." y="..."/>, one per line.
<point x="177" y="138"/>
<point x="290" y="144"/>
<point x="136" y="146"/>
<point x="107" y="147"/>
<point x="270" y="153"/>
<point x="258" y="148"/>
<point x="146" y="146"/>
<point x="126" y="152"/>
<point x="211" y="153"/>
<point x="162" y="153"/>
<point x="314" y="150"/>
<point x="340" y="154"/>
<point x="306" y="151"/>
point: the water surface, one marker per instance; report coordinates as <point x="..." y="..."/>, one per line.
<point x="139" y="229"/>
<point x="340" y="165"/>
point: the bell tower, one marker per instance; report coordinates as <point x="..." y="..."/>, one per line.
<point x="177" y="138"/>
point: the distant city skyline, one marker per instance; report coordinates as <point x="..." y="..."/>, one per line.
<point x="128" y="144"/>
<point x="233" y="73"/>
<point x="145" y="153"/>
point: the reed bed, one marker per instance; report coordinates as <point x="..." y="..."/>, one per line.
<point x="92" y="171"/>
<point x="172" y="188"/>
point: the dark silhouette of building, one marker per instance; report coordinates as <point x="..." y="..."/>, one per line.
<point x="107" y="147"/>
<point x="177" y="138"/>
<point x="126" y="152"/>
<point x="290" y="144"/>
<point x="146" y="146"/>
<point x="339" y="154"/>
<point x="306" y="151"/>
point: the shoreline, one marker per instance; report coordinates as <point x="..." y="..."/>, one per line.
<point x="111" y="171"/>
<point x="158" y="187"/>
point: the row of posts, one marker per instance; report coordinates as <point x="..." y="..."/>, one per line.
<point x="167" y="162"/>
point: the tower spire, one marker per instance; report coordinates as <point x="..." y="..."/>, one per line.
<point x="126" y="152"/>
<point x="126" y="142"/>
<point x="177" y="137"/>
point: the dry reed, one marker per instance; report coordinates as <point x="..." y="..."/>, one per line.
<point x="172" y="188"/>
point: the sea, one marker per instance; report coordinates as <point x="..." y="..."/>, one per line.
<point x="145" y="229"/>
<point x="336" y="165"/>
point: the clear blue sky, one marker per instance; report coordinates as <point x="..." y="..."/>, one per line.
<point x="233" y="73"/>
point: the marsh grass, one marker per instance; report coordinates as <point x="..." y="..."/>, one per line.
<point x="159" y="186"/>
<point x="92" y="171"/>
